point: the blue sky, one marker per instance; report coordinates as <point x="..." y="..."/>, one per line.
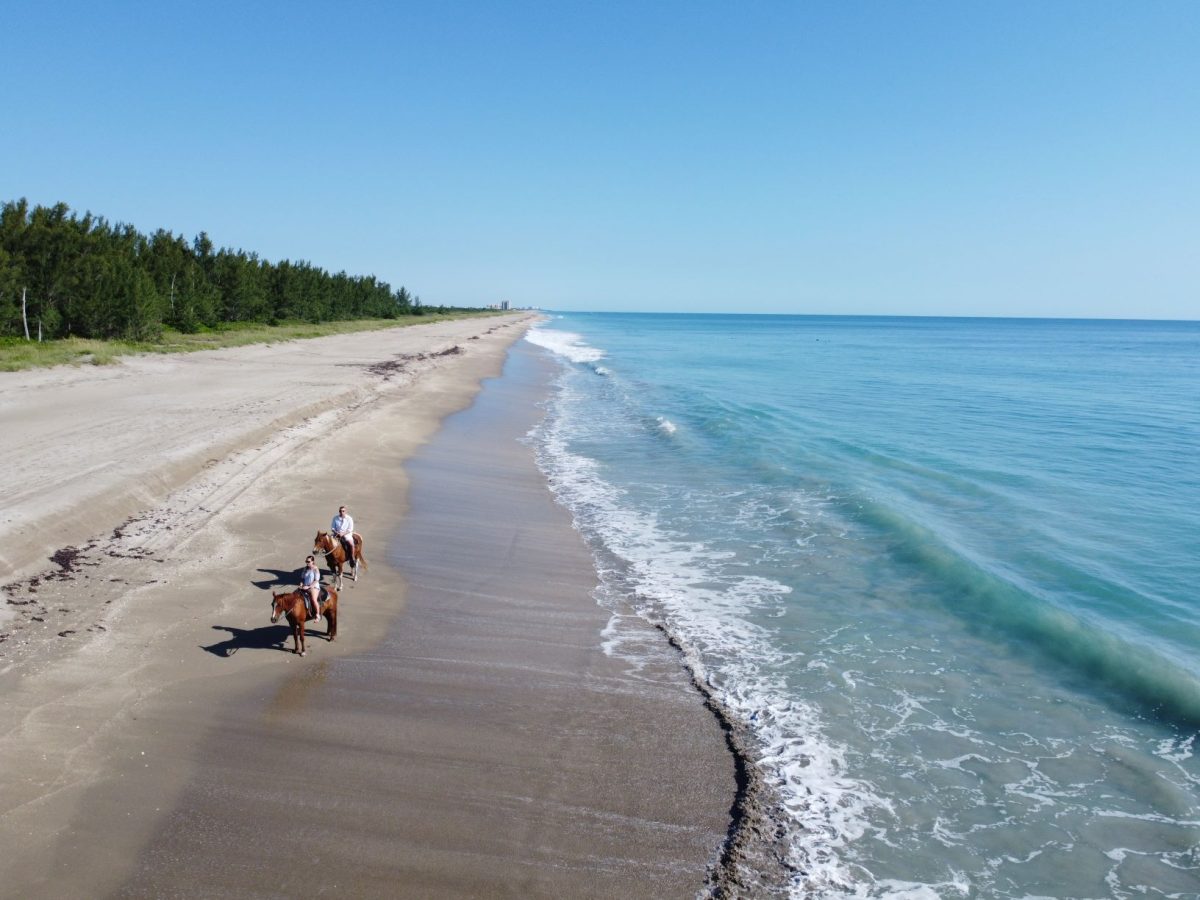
<point x="971" y="158"/>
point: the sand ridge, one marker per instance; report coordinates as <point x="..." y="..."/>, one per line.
<point x="94" y="449"/>
<point x="105" y="688"/>
<point x="90" y="446"/>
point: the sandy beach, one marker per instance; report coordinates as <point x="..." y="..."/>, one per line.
<point x="465" y="736"/>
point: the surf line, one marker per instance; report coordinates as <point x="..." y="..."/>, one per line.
<point x="754" y="853"/>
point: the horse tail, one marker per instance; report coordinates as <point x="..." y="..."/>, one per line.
<point x="362" y="559"/>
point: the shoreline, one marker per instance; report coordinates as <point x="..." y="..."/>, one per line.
<point x="91" y="786"/>
<point x="754" y="855"/>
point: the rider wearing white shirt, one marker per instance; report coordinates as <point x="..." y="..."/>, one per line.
<point x="343" y="527"/>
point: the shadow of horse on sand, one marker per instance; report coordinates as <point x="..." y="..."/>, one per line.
<point x="274" y="636"/>
<point x="268" y="637"/>
<point x="278" y="578"/>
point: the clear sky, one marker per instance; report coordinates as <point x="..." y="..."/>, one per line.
<point x="923" y="158"/>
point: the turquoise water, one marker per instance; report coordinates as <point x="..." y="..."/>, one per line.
<point x="946" y="569"/>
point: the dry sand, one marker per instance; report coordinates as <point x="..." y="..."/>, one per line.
<point x="469" y="739"/>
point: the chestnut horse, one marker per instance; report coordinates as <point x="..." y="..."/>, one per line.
<point x="335" y="555"/>
<point x="294" y="606"/>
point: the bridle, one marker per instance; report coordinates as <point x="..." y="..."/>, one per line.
<point x="335" y="544"/>
<point x="326" y="538"/>
<point x="277" y="611"/>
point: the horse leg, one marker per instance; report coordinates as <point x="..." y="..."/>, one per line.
<point x="296" y="637"/>
<point x="331" y="626"/>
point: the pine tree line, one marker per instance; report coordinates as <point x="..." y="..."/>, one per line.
<point x="62" y="274"/>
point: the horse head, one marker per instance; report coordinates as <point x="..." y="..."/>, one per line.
<point x="323" y="543"/>
<point x="279" y="605"/>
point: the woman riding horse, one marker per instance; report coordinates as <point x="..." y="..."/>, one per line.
<point x="310" y="583"/>
<point x="293" y="605"/>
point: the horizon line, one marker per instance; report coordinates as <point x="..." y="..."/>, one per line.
<point x="652" y="312"/>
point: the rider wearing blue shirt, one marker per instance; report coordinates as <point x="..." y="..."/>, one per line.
<point x="310" y="583"/>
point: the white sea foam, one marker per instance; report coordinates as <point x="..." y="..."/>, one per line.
<point x="681" y="585"/>
<point x="566" y="344"/>
<point x="999" y="771"/>
<point x="666" y="426"/>
<point x="1178" y="749"/>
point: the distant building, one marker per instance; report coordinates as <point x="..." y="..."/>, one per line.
<point x="504" y="304"/>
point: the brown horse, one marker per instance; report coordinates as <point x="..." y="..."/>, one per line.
<point x="293" y="606"/>
<point x="335" y="555"/>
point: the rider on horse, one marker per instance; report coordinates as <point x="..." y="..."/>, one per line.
<point x="310" y="584"/>
<point x="343" y="528"/>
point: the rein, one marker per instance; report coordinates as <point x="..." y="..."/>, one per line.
<point x="297" y="598"/>
<point x="334" y="544"/>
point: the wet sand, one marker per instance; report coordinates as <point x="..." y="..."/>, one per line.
<point x="464" y="737"/>
<point x="486" y="747"/>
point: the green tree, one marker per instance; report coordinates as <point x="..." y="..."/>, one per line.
<point x="142" y="313"/>
<point x="84" y="276"/>
<point x="10" y="295"/>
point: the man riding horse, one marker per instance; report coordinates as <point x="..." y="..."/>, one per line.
<point x="343" y="528"/>
<point x="342" y="546"/>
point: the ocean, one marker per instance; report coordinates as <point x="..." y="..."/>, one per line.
<point x="945" y="570"/>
